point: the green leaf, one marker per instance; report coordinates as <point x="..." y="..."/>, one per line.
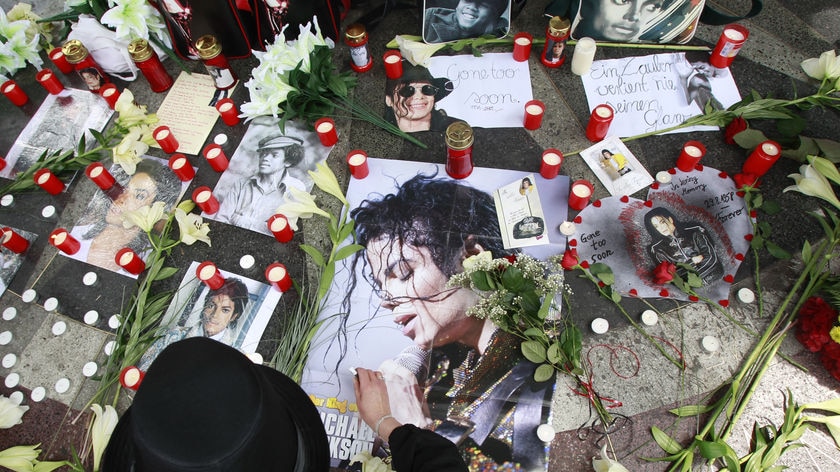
<point x="99" y="137"/>
<point x="830" y="149"/>
<point x="482" y="281"/>
<point x="543" y="373"/>
<point x="668" y="444"/>
<point x="691" y="410"/>
<point x="776" y="251"/>
<point x="615" y="296"/>
<point x="713" y="449"/>
<point x="548" y="299"/>
<point x="533" y="351"/>
<point x="347" y="251"/>
<point x="771" y="207"/>
<point x="316" y="256"/>
<point x="346" y="230"/>
<point x="555" y="353"/>
<point x="166" y="272"/>
<point x="512" y="279"/>
<point x="530" y="302"/>
<point x="793" y="126"/>
<point x="571" y="340"/>
<point x="749" y="138"/>
<point x="534" y="333"/>
<point x="807" y="147"/>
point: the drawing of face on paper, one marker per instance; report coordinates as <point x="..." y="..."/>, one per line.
<point x="701" y="233"/>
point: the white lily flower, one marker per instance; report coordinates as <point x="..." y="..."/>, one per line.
<point x="192" y="227"/>
<point x="10" y="412"/>
<point x="605" y="464"/>
<point x="826" y="66"/>
<point x="9" y="28"/>
<point x="831" y="422"/>
<point x="26" y="50"/>
<point x="20" y="458"/>
<point x="130" y="113"/>
<point x="23" y="11"/>
<point x="103" y="425"/>
<point x="416" y="52"/>
<point x="325" y="179"/>
<point x="127" y="153"/>
<point x="301" y="205"/>
<point x="9" y="62"/>
<point x="826" y="168"/>
<point x="811" y="182"/>
<point x="144" y="217"/>
<point x="132" y="19"/>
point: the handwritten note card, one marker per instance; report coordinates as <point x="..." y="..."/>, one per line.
<point x="651" y="93"/>
<point x="488" y="91"/>
<point x="188" y="110"/>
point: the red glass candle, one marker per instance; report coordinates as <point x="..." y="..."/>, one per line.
<point x="216" y="157"/>
<point x="49" y="81"/>
<point x="208" y="273"/>
<point x="580" y="194"/>
<point x="65" y="243"/>
<point x="227" y="109"/>
<point x="210" y="51"/>
<point x="357" y="162"/>
<point x="48" y="181"/>
<point x="57" y="58"/>
<point x="393" y="64"/>
<point x="279" y="226"/>
<point x="552" y="159"/>
<point x="111" y="94"/>
<point x="147" y="61"/>
<point x="534" y="111"/>
<point x="13" y="241"/>
<point x="206" y="201"/>
<point x="278" y="276"/>
<point x="762" y="158"/>
<point x="165" y="138"/>
<point x="554" y="51"/>
<point x="522" y="46"/>
<point x="690" y="155"/>
<point x="459" y="145"/>
<point x="728" y="45"/>
<point x="131" y="377"/>
<point x="181" y="166"/>
<point x="599" y="122"/>
<point x="325" y="127"/>
<point x="130" y="261"/>
<point x="14" y="93"/>
<point x="100" y="175"/>
<point x="356" y="38"/>
<point x="91" y="73"/>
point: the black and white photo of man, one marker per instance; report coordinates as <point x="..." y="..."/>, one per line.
<point x="459" y="19"/>
<point x="251" y="202"/>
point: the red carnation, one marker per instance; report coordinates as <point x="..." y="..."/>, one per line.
<point x="745" y="180"/>
<point x="570" y="259"/>
<point x="734" y="127"/>
<point x="664" y="273"/>
<point x="830" y="358"/>
<point x="816" y="318"/>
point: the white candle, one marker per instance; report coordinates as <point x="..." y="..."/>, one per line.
<point x="89" y="278"/>
<point x="9" y="87"/>
<point x="393" y="59"/>
<point x="213" y="153"/>
<point x="567" y="228"/>
<point x="9" y="313"/>
<point x="247" y="261"/>
<point x="770" y="149"/>
<point x="326" y="126"/>
<point x="162" y="134"/>
<point x="178" y="163"/>
<point x="278" y="224"/>
<point x="551" y="158"/>
<point x="225" y="107"/>
<point x="534" y="109"/>
<point x="91" y="317"/>
<point x="62" y="385"/>
<point x="663" y="177"/>
<point x="37" y="394"/>
<point x="202" y="197"/>
<point x="7" y="200"/>
<point x="649" y="317"/>
<point x="58" y="238"/>
<point x="523" y="41"/>
<point x="600" y="326"/>
<point x="42" y="179"/>
<point x="710" y="343"/>
<point x="59" y="328"/>
<point x="276" y="274"/>
<point x="583" y="56"/>
<point x="89" y="369"/>
<point x="733" y="35"/>
<point x="746" y="295"/>
<point x="110" y="91"/>
<point x="207" y="272"/>
<point x="603" y="112"/>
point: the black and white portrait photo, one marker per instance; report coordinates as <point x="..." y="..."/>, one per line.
<point x="655" y="21"/>
<point x="58" y="125"/>
<point x="265" y="166"/>
<point x="450" y="20"/>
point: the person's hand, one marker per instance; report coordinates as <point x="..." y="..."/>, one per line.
<point x="408" y="403"/>
<point x="372" y="400"/>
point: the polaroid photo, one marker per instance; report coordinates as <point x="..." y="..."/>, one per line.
<point x="616" y="167"/>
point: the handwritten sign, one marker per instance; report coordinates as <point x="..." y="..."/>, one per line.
<point x="652" y="93"/>
<point x="488" y="91"/>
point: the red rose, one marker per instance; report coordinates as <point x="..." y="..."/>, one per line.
<point x="570" y="259"/>
<point x="664" y="273"/>
<point x="830" y="358"/>
<point x="511" y="258"/>
<point x="734" y="127"/>
<point x="745" y="180"/>
<point x="816" y="317"/>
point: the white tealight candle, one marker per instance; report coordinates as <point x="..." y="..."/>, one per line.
<point x="38" y="394"/>
<point x="51" y="304"/>
<point x="7" y="200"/>
<point x="109" y="347"/>
<point x="114" y="322"/>
<point x="90" y="279"/>
<point x="221" y="139"/>
<point x="546" y="432"/>
<point x="746" y="295"/>
<point x="16" y="396"/>
<point x="247" y="261"/>
<point x="89" y="369"/>
<point x="663" y="177"/>
<point x="9" y="360"/>
<point x="600" y="326"/>
<point x="48" y="211"/>
<point x="91" y="317"/>
<point x="710" y="343"/>
<point x="533" y="109"/>
<point x="5" y="338"/>
<point x="12" y="380"/>
<point x="567" y="228"/>
<point x="58" y="328"/>
<point x="9" y="313"/>
<point x="62" y="385"/>
<point x="29" y="296"/>
<point x="649" y="317"/>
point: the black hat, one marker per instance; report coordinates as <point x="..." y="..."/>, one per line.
<point x="412" y="73"/>
<point x="204" y="406"/>
<point x="278" y="142"/>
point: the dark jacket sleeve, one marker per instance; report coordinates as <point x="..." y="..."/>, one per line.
<point x="420" y="450"/>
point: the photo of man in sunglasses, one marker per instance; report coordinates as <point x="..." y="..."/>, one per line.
<point x="410" y="100"/>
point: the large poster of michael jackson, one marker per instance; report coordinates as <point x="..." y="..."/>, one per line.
<point x="393" y="312"/>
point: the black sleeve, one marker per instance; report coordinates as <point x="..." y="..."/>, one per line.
<point x="420" y="450"/>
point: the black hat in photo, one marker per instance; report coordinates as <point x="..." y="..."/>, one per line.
<point x="412" y="73"/>
<point x="204" y="406"/>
